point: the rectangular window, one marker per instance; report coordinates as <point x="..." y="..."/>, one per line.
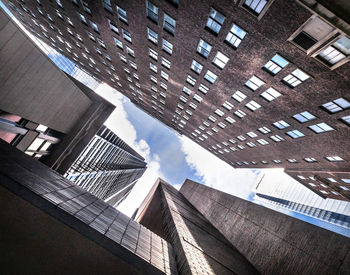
<point x="254" y="83"/>
<point x="336" y="52"/>
<point x="152" y="11"/>
<point x="277" y="138"/>
<point x="337" y="105"/>
<point x="295" y="78"/>
<point x="304" y="117"/>
<point x="169" y="24"/>
<point x="152" y="36"/>
<point x="153" y="54"/>
<point x="164" y="75"/>
<point x="204" y="48"/>
<point x="130" y="51"/>
<point x="220" y="60"/>
<point x="164" y="86"/>
<point x="334" y="158"/>
<point x="166" y="63"/>
<point x="202" y="88"/>
<point x="251" y="144"/>
<point x="153" y="67"/>
<point x="187" y="91"/>
<point x="240" y="113"/>
<point x="235" y="36"/>
<point x="227" y="105"/>
<point x="252" y="105"/>
<point x="126" y="35"/>
<point x="183" y="99"/>
<point x="210" y="76"/>
<point x="310" y="160"/>
<point x="191" y="80"/>
<point x="215" y="21"/>
<point x="219" y="112"/>
<point x="262" y="141"/>
<point x="321" y="127"/>
<point x="264" y="130"/>
<point x="192" y="105"/>
<point x="295" y="134"/>
<point x="255" y="6"/>
<point x="281" y="124"/>
<point x="276" y="64"/>
<point x="197" y="98"/>
<point x="167" y="46"/>
<point x="222" y="125"/>
<point x="94" y="26"/>
<point x="252" y="134"/>
<point x="212" y="119"/>
<point x="123" y="58"/>
<point x="230" y="120"/>
<point x="292" y="160"/>
<point x="346" y="120"/>
<point x="239" y="96"/>
<point x="196" y="67"/>
<point x="122" y="15"/>
<point x="133" y="65"/>
<point x="270" y="94"/>
<point x="91" y="36"/>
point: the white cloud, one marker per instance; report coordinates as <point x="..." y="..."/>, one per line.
<point x="119" y="123"/>
<point x="217" y="173"/>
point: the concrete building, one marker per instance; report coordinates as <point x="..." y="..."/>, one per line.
<point x="256" y="86"/>
<point x="43" y="112"/>
<point x="273" y="242"/>
<point x="107" y="167"/>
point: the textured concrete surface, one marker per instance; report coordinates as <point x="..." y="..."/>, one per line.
<point x="199" y="247"/>
<point x="32" y="86"/>
<point x="45" y="214"/>
<point x="273" y="242"/>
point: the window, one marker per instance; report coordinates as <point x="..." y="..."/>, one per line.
<point x="133" y="65"/>
<point x="240" y="113"/>
<point x="94" y="26"/>
<point x="235" y="36"/>
<point x="240" y="147"/>
<point x="166" y="63"/>
<point x="277" y="161"/>
<point x="252" y="134"/>
<point x="295" y="78"/>
<point x="270" y="94"/>
<point x="82" y="18"/>
<point x="164" y="86"/>
<point x="252" y="105"/>
<point x="239" y="96"/>
<point x="304" y="117"/>
<point x="183" y="99"/>
<point x="197" y="98"/>
<point x="262" y="141"/>
<point x="123" y="58"/>
<point x="311" y="33"/>
<point x="153" y="54"/>
<point x="202" y="88"/>
<point x="107" y="5"/>
<point x="336" y="52"/>
<point x="212" y="119"/>
<point x="277" y="138"/>
<point x="169" y="24"/>
<point x="215" y="21"/>
<point x="196" y="67"/>
<point x="295" y="134"/>
<point x="276" y="64"/>
<point x="337" y="105"/>
<point x="154" y="79"/>
<point x="191" y="80"/>
<point x="153" y="67"/>
<point x="118" y="43"/>
<point x="126" y="35"/>
<point x="310" y="160"/>
<point x="220" y="60"/>
<point x="254" y="83"/>
<point x="192" y="105"/>
<point x="204" y="48"/>
<point x="346" y="180"/>
<point x="130" y="51"/>
<point x="251" y="144"/>
<point x="334" y="158"/>
<point x="281" y="124"/>
<point x="210" y="76"/>
<point x="344" y="188"/>
<point x="164" y="75"/>
<point x="321" y="127"/>
<point x="292" y="160"/>
<point x="187" y="91"/>
<point x="219" y="112"/>
<point x="227" y="105"/>
<point x="167" y="46"/>
<point x="152" y="36"/>
<point x="255" y="6"/>
<point x="264" y="130"/>
<point x="222" y="125"/>
<point x="122" y="15"/>
<point x="152" y="11"/>
<point x="230" y="120"/>
<point x="346" y="119"/>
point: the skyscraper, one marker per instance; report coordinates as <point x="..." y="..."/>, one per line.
<point x="254" y="85"/>
<point x="108" y="168"/>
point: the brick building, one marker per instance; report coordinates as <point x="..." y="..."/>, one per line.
<point x="260" y="84"/>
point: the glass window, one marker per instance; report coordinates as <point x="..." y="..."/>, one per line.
<point x="220" y="60"/>
<point x="204" y="48"/>
<point x="94" y="27"/>
<point x="255" y="6"/>
<point x="166" y="63"/>
<point x="321" y="127"/>
<point x="169" y="24"/>
<point x="310" y="159"/>
<point x="254" y="83"/>
<point x="187" y="91"/>
<point x="202" y="88"/>
<point x="164" y="75"/>
<point x="235" y="36"/>
<point x="210" y="76"/>
<point x="304" y="117"/>
<point x="152" y="11"/>
<point x="264" y="130"/>
<point x="82" y="18"/>
<point x="219" y="112"/>
<point x="167" y="46"/>
<point x="277" y="138"/>
<point x="196" y="67"/>
<point x="215" y="21"/>
<point x="153" y="67"/>
<point x="239" y="96"/>
<point x="252" y="134"/>
<point x="334" y="158"/>
<point x="276" y="64"/>
<point x="252" y="105"/>
<point x="337" y="105"/>
<point x="191" y="80"/>
<point x="281" y="124"/>
<point x="122" y="15"/>
<point x="230" y="120"/>
<point x="153" y="54"/>
<point x="336" y="52"/>
<point x="295" y="78"/>
<point x="270" y="94"/>
<point x="126" y="35"/>
<point x="240" y="113"/>
<point x="197" y="98"/>
<point x="152" y="36"/>
<point x="346" y="119"/>
<point x="295" y="134"/>
<point x="262" y="141"/>
<point x="227" y="105"/>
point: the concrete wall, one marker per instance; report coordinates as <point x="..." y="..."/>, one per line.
<point x="32" y="86"/>
<point x="273" y="242"/>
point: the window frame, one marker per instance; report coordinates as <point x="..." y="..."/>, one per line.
<point x="256" y="15"/>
